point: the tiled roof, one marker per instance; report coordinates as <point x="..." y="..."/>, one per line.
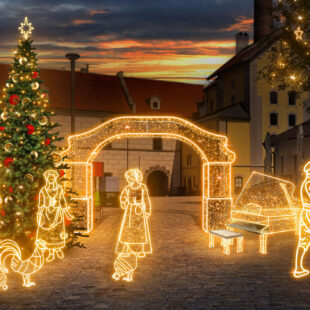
<point x="242" y="56"/>
<point x="98" y="92"/>
<point x="236" y="111"/>
<point x="291" y="133"/>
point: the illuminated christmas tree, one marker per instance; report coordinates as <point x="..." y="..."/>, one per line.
<point x="289" y="57"/>
<point x="26" y="142"/>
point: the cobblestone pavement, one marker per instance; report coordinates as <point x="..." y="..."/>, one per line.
<point x="182" y="272"/>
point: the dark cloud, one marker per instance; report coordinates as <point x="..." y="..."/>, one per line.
<point x="78" y="25"/>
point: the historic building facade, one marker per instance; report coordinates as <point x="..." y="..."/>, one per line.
<point x="99" y="98"/>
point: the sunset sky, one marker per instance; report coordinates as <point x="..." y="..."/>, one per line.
<point x="182" y="40"/>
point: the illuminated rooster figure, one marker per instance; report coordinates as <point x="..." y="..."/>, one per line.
<point x="51" y="216"/>
<point x="52" y="210"/>
<point x="134" y="238"/>
<point x="10" y="255"/>
<point x="304" y="226"/>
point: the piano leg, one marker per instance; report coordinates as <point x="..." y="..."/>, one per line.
<point x="211" y="240"/>
<point x="226" y="249"/>
<point x="239" y="244"/>
<point x="263" y="244"/>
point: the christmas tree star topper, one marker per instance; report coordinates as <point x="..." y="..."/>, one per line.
<point x="26" y="28"/>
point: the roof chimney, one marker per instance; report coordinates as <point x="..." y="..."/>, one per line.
<point x="242" y="41"/>
<point x="86" y="69"/>
<point x="262" y="19"/>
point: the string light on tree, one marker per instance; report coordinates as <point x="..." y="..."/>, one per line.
<point x="289" y="52"/>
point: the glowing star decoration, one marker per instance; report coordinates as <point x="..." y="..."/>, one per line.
<point x="53" y="211"/>
<point x="212" y="148"/>
<point x="26" y="28"/>
<point x="265" y="206"/>
<point x="304" y="226"/>
<point x="134" y="238"/>
<point x="299" y="34"/>
<point x="50" y="235"/>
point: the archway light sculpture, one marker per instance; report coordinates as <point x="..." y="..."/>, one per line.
<point x="212" y="148"/>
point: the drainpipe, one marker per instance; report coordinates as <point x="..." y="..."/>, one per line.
<point x="129" y="99"/>
<point x="72" y="57"/>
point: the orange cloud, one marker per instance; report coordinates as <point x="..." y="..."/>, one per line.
<point x="242" y="24"/>
<point x="93" y="12"/>
<point x="82" y="21"/>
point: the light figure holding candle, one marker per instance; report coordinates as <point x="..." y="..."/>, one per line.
<point x="134" y="239"/>
<point x="304" y="226"/>
<point x="51" y="216"/>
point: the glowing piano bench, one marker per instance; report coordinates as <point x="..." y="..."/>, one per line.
<point x="227" y="238"/>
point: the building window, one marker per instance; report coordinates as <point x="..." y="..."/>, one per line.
<point x="273" y="119"/>
<point x="238" y="184"/>
<point x="189" y="160"/>
<point x="292" y="120"/>
<point x="157" y="144"/>
<point x="154" y="102"/>
<point x="189" y="183"/>
<point x="292" y="96"/>
<point x="273" y="96"/>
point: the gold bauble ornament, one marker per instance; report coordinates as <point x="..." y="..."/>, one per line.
<point x="26" y="101"/>
<point x="34" y="154"/>
<point x="29" y="177"/>
<point x="35" y="85"/>
<point x="8" y="199"/>
<point x="5" y="116"/>
<point x="23" y="60"/>
<point x="8" y="85"/>
<point x="9" y="147"/>
<point x="43" y="120"/>
<point x="57" y="159"/>
<point x="15" y="78"/>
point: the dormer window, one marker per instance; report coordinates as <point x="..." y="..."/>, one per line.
<point x="154" y="103"/>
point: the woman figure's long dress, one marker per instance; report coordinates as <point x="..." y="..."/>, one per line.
<point x="51" y="227"/>
<point x="134" y="237"/>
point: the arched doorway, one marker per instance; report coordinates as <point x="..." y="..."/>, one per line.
<point x="212" y="148"/>
<point x="157" y="183"/>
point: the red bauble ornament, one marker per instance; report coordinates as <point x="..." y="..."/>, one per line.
<point x="8" y="161"/>
<point x="11" y="189"/>
<point x="67" y="221"/>
<point x="14" y="99"/>
<point x="61" y="173"/>
<point x="2" y="212"/>
<point x="36" y="197"/>
<point x="30" y="129"/>
<point x="34" y="74"/>
<point x="31" y="235"/>
<point x="47" y="141"/>
<point x="2" y="128"/>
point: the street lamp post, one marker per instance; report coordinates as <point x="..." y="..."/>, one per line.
<point x="72" y="57"/>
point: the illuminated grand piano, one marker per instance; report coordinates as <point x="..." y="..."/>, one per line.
<point x="265" y="206"/>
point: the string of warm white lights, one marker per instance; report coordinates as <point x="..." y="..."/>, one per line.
<point x="215" y="155"/>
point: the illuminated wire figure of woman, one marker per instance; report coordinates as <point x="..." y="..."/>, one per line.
<point x="134" y="238"/>
<point x="51" y="216"/>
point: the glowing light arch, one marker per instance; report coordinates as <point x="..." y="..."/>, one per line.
<point x="212" y="148"/>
